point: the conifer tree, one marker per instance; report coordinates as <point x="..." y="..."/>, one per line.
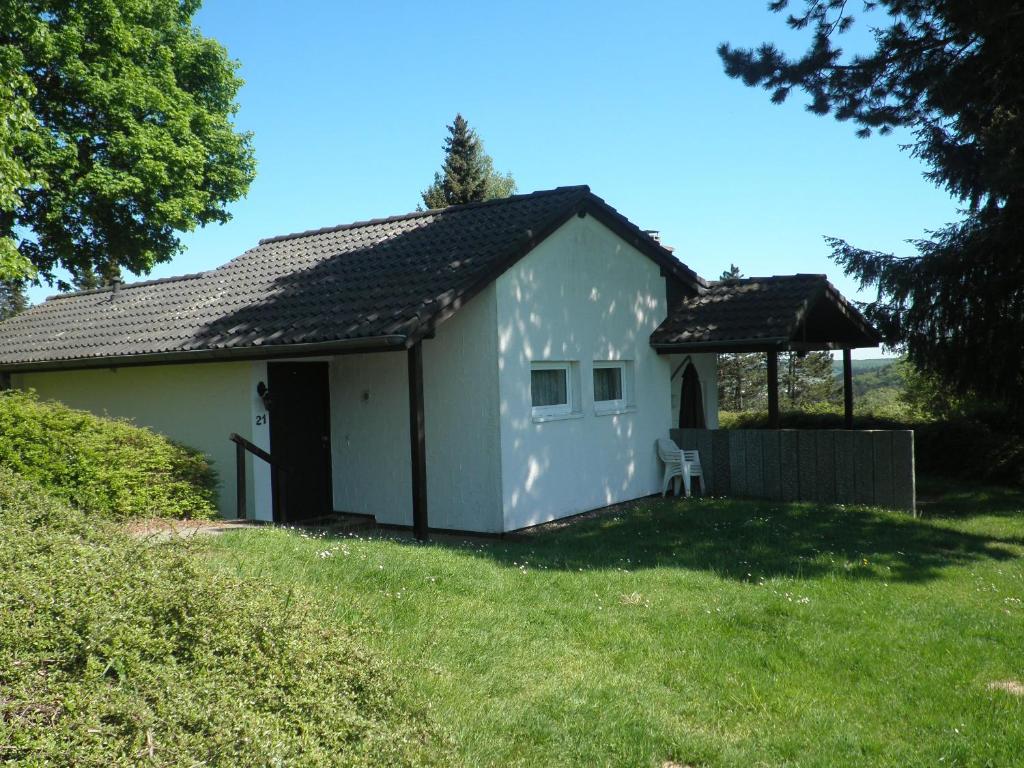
<point x="741" y="375"/>
<point x="12" y="298"/>
<point x="468" y="174"/>
<point x="951" y="73"/>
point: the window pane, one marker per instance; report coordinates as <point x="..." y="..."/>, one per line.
<point x="607" y="384"/>
<point x="548" y="387"/>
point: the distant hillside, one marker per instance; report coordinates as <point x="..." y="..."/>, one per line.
<point x="875" y="380"/>
<point x="867" y="364"/>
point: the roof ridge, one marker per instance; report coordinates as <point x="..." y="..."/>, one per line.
<point x="427" y="212"/>
<point x="768" y="278"/>
<point x="126" y="286"/>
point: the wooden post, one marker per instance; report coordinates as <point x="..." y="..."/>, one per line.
<point x="847" y="389"/>
<point x="773" y="389"/>
<point x="240" y="511"/>
<point x="418" y="442"/>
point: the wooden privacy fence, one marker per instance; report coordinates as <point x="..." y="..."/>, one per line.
<point x="831" y="466"/>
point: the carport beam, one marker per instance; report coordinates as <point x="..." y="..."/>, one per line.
<point x="773" y="388"/>
<point x="418" y="442"/>
<point x="847" y="389"/>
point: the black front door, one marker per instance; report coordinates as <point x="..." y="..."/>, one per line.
<point x="300" y="439"/>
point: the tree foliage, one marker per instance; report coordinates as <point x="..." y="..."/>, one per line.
<point x="116" y="134"/>
<point x="741" y="375"/>
<point x="468" y="174"/>
<point x="952" y="73"/>
<point x="807" y="380"/>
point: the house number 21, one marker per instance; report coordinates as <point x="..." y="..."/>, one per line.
<point x="261" y="419"/>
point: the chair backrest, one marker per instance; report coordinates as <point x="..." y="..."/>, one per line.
<point x="667" y="450"/>
<point x="692" y="458"/>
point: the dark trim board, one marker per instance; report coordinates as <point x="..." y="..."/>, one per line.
<point x="394" y="343"/>
<point x="417" y="441"/>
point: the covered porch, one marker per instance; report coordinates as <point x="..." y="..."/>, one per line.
<point x="769" y="315"/>
<point x="798" y="314"/>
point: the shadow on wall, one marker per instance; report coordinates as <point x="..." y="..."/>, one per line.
<point x="747" y="540"/>
<point x="591" y="313"/>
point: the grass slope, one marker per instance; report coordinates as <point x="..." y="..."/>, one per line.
<point x="710" y="632"/>
<point x="119" y="652"/>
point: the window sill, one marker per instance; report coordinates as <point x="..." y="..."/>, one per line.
<point x="557" y="417"/>
<point x="614" y="411"/>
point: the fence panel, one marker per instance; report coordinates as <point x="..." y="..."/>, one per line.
<point x="827" y="466"/>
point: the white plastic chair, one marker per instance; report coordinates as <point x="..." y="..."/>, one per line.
<point x="671" y="456"/>
<point x="692" y="469"/>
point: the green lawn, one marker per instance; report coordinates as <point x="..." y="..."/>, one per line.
<point x="718" y="633"/>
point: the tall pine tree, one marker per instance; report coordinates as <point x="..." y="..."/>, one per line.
<point x="468" y="174"/>
<point x="12" y="298"/>
<point x="952" y="73"/>
<point x="741" y="375"/>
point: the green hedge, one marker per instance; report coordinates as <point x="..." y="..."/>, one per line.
<point x="106" y="466"/>
<point x="966" y="448"/>
<point x="120" y="652"/>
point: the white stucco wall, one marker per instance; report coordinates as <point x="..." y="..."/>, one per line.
<point x="197" y="405"/>
<point x="261" y="493"/>
<point x="460" y="390"/>
<point x="370" y="427"/>
<point x="582" y="295"/>
<point x="370" y="436"/>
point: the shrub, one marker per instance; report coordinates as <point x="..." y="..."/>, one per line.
<point x="115" y="651"/>
<point x="106" y="466"/>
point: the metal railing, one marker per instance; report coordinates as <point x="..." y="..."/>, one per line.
<point x="278" y="472"/>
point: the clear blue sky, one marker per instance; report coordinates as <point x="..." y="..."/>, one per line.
<point x="349" y="101"/>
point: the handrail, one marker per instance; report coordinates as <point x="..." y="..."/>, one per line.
<point x="278" y="471"/>
<point x="254" y="449"/>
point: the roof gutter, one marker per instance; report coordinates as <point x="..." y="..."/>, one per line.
<point x="389" y="343"/>
<point x="754" y="345"/>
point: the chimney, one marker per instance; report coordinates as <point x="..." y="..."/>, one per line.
<point x="655" y="235"/>
<point x="115" y="286"/>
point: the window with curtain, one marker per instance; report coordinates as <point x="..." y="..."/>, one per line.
<point x="613" y="386"/>
<point x="607" y="384"/>
<point x="552" y="389"/>
<point x="549" y="386"/>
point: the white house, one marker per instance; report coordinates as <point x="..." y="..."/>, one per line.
<point x="483" y="367"/>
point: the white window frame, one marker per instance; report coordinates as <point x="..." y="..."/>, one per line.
<point x="561" y="410"/>
<point x="624" y="404"/>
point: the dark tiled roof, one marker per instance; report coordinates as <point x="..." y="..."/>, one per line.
<point x="376" y="281"/>
<point x="762" y="312"/>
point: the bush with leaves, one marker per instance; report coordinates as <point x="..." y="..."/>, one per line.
<point x="123" y="652"/>
<point x="105" y="466"/>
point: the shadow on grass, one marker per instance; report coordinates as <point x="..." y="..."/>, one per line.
<point x="942" y="498"/>
<point x="746" y="540"/>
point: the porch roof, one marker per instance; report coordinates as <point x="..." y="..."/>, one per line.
<point x="760" y="314"/>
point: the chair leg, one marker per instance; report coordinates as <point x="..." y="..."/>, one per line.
<point x="686" y="481"/>
<point x="665" y="481"/>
